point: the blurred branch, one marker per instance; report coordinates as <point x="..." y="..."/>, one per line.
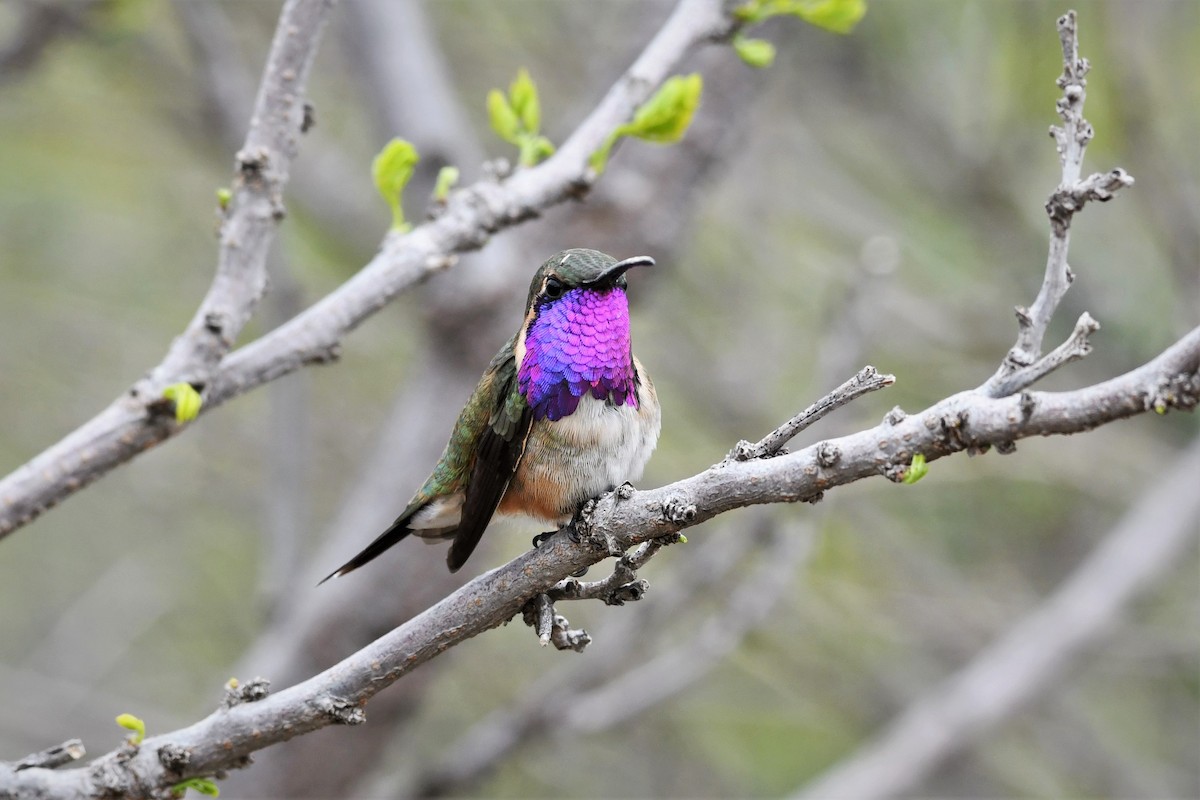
<point x="1026" y="660"/>
<point x="1024" y="365"/>
<point x="138" y="420"/>
<point x="141" y="418"/>
<point x="321" y="188"/>
<point x="41" y="23"/>
<point x="615" y="523"/>
<point x="395" y="40"/>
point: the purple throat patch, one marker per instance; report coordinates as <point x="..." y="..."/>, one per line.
<point x="576" y="345"/>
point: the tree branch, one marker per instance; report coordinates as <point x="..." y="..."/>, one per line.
<point x="130" y="425"/>
<point x="867" y="380"/>
<point x="140" y="418"/>
<point x="1023" y="365"/>
<point x="966" y="421"/>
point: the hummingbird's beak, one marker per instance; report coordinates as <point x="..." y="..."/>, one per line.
<point x="618" y="269"/>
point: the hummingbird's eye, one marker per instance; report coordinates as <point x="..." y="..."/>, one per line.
<point x="554" y="288"/>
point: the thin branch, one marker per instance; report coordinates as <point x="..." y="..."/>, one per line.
<point x="470" y="217"/>
<point x="1074" y="348"/>
<point x="620" y="587"/>
<point x="1027" y="659"/>
<point x="867" y="380"/>
<point x="967" y="420"/>
<point x="53" y="757"/>
<point x="1024" y="364"/>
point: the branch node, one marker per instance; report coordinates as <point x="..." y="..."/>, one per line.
<point x="1027" y="404"/>
<point x="678" y="510"/>
<point x="551" y="627"/>
<point x="828" y="454"/>
<point x="1181" y="391"/>
<point x="174" y="758"/>
<point x="215" y="322"/>
<point x="249" y="692"/>
<point x="497" y="169"/>
<point x="252" y="163"/>
<point x="340" y="710"/>
<point x="742" y="451"/>
<point x="893" y="417"/>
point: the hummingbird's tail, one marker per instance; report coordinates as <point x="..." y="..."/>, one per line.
<point x="397" y="531"/>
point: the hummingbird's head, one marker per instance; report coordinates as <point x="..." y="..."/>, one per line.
<point x="579" y="269"/>
<point x="575" y="339"/>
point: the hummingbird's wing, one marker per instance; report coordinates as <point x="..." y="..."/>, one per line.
<point x="482" y="455"/>
<point x="498" y="452"/>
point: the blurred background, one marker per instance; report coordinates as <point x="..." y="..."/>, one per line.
<point x="875" y="198"/>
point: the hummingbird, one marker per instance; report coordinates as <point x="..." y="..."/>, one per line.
<point x="563" y="413"/>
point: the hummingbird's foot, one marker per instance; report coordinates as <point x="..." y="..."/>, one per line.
<point x="542" y="538"/>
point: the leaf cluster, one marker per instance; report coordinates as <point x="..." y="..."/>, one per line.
<point x="517" y="119"/>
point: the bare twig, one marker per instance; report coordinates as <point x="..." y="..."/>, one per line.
<point x="337" y="696"/>
<point x="1027" y="659"/>
<point x="53" y="757"/>
<point x="867" y="380"/>
<point x="1024" y="363"/>
<point x="1074" y="348"/>
<point x="539" y="614"/>
<point x="620" y="587"/>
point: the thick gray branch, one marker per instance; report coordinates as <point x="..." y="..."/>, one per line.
<point x="969" y="420"/>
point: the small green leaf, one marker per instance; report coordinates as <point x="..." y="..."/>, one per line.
<point x="505" y="121"/>
<point x="201" y="785"/>
<point x="223" y="198"/>
<point x="132" y="723"/>
<point x="186" y="399"/>
<point x="757" y="53"/>
<point x="839" y="16"/>
<point x="916" y="470"/>
<point x="523" y="95"/>
<point x="664" y="118"/>
<point x="446" y="178"/>
<point x="392" y="170"/>
<point x="682" y="539"/>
